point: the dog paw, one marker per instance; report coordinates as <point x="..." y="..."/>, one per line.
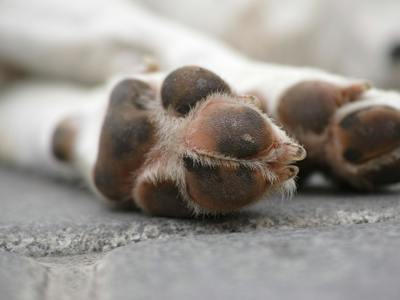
<point x="187" y="144"/>
<point x="351" y="132"/>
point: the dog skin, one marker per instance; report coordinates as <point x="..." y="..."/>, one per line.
<point x="206" y="138"/>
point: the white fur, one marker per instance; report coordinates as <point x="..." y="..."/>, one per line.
<point x="353" y="38"/>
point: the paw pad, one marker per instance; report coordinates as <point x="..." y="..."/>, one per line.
<point x="222" y="188"/>
<point x="230" y="129"/>
<point x="162" y="199"/>
<point x="186" y="86"/>
<point x="369" y="133"/>
<point x="127" y="135"/>
<point x="364" y="147"/>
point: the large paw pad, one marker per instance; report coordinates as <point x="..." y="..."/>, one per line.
<point x="223" y="188"/>
<point x="230" y="129"/>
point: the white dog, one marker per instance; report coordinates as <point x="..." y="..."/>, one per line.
<point x="177" y="140"/>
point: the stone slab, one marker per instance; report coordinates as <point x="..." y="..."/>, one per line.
<point x="41" y="217"/>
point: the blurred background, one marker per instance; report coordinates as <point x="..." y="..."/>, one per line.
<point x="324" y="245"/>
<point x="358" y="38"/>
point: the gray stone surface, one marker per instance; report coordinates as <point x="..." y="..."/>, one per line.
<point x="338" y="262"/>
<point x="58" y="242"/>
<point x="21" y="278"/>
<point x="346" y="262"/>
<point x="39" y="217"/>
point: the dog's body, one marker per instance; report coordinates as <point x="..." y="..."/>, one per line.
<point x="60" y="127"/>
<point x="357" y="38"/>
<point x="354" y="38"/>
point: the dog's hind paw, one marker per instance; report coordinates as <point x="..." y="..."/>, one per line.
<point x="189" y="145"/>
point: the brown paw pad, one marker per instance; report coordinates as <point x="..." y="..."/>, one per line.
<point x="386" y="174"/>
<point x="229" y="129"/>
<point x="186" y="86"/>
<point x="127" y="135"/>
<point x="366" y="143"/>
<point x="369" y="133"/>
<point x="63" y="139"/>
<point x="223" y="189"/>
<point x="161" y="199"/>
<point x="308" y="106"/>
<point x="131" y="92"/>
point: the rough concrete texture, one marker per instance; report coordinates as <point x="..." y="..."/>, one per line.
<point x="58" y="242"/>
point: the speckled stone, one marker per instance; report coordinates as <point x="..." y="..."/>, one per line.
<point x="40" y="217"/>
<point x="58" y="242"/>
